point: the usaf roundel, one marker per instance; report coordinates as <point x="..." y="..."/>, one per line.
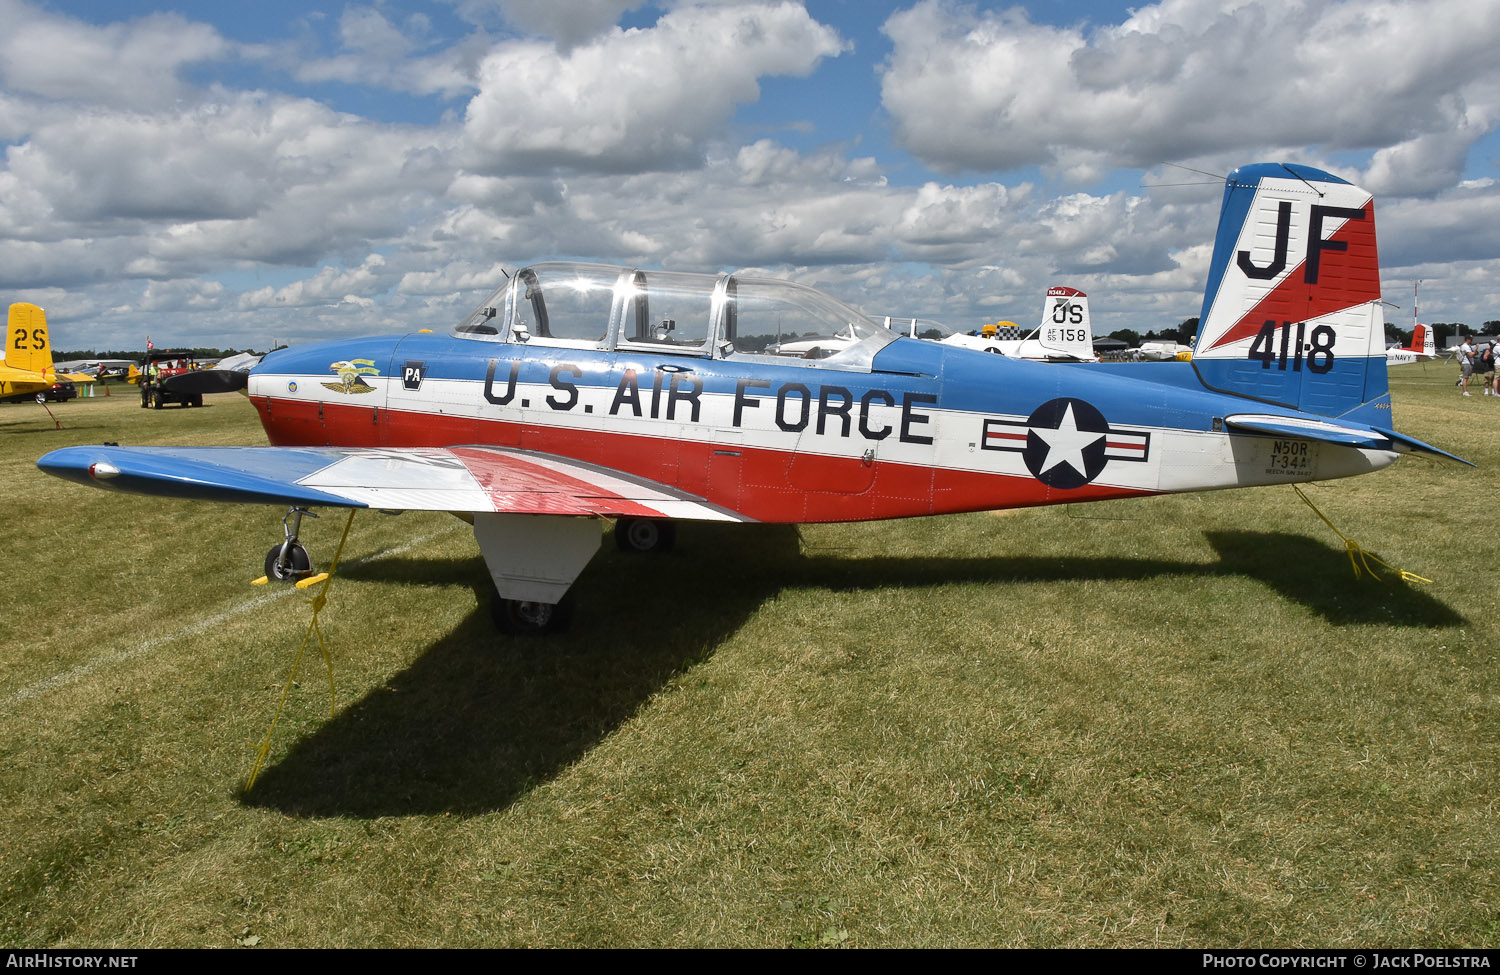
<point x="1066" y="442"/>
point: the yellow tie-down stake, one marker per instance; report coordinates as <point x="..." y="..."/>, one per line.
<point x="301" y="584"/>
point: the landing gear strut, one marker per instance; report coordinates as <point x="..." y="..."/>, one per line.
<point x="289" y="561"/>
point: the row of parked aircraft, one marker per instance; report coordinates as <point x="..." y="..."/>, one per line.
<point x="27" y="368"/>
<point x="581" y="395"/>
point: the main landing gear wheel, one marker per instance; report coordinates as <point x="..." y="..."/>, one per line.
<point x="645" y="535"/>
<point x="520" y="617"/>
<point x="296" y="565"/>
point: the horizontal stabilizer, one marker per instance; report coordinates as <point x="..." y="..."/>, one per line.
<point x="1368" y="438"/>
<point x="1407" y="444"/>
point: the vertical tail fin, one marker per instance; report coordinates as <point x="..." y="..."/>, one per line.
<point x="1066" y="331"/>
<point x="1422" y="341"/>
<point x="26" y="343"/>
<point x="1292" y="312"/>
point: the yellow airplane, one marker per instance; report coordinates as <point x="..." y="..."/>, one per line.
<point x="26" y="366"/>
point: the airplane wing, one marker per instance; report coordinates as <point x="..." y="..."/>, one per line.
<point x="458" y="479"/>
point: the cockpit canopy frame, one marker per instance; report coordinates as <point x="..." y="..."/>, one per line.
<point x="566" y="304"/>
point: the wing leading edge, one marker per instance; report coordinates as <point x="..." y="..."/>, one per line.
<point x="459" y="479"/>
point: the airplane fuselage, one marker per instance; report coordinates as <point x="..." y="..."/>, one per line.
<point x="917" y="428"/>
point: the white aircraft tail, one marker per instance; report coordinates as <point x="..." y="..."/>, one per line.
<point x="1292" y="311"/>
<point x="1065" y="331"/>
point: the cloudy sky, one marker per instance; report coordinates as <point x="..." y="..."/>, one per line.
<point x="224" y="174"/>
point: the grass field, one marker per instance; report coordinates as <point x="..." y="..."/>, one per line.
<point x="1178" y="721"/>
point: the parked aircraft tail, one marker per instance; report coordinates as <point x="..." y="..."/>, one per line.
<point x="1422" y="341"/>
<point x="26" y="343"/>
<point x="1292" y="312"/>
<point x="1065" y="331"/>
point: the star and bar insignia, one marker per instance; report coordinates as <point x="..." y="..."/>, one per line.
<point x="1065" y="442"/>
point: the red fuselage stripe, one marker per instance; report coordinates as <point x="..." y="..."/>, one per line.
<point x="762" y="484"/>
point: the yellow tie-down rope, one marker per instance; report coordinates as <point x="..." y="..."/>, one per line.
<point x="317" y="603"/>
<point x="1358" y="556"/>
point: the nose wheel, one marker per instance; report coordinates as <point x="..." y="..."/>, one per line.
<point x="519" y="617"/>
<point x="289" y="561"/>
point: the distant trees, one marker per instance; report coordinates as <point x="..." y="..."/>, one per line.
<point x="1183" y="334"/>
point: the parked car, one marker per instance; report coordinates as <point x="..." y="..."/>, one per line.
<point x="59" y="392"/>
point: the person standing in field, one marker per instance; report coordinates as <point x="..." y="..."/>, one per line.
<point x="1465" y="364"/>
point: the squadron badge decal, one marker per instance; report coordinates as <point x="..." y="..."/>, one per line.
<point x="351" y="376"/>
<point x="1066" y="442"/>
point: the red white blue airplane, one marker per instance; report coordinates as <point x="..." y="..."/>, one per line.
<point x="580" y="394"/>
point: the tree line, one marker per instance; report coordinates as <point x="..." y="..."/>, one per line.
<point x="1185" y="333"/>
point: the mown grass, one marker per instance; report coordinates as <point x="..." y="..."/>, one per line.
<point x="1178" y="721"/>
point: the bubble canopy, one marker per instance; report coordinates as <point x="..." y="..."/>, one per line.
<point x="594" y="306"/>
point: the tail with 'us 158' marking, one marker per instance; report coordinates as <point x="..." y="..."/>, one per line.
<point x="1292" y="314"/>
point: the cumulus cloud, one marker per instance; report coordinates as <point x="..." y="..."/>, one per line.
<point x="638" y="99"/>
<point x="1181" y="78"/>
<point x="188" y="294"/>
<point x="262" y="179"/>
<point x="399" y="57"/>
<point x="453" y="278"/>
<point x="329" y="285"/>
<point x="132" y="64"/>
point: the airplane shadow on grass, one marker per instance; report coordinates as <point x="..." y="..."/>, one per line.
<point x="480" y="719"/>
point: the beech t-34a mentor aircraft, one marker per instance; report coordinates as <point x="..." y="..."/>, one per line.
<point x="581" y="393"/>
